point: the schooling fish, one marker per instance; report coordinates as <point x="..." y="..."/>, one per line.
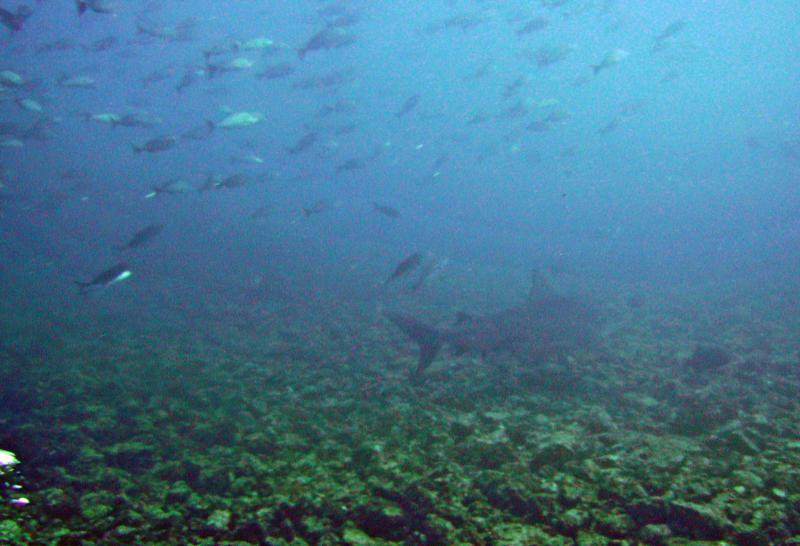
<point x="112" y="275"/>
<point x="303" y="144"/>
<point x="98" y="6"/>
<point x="410" y="103"/>
<point x="15" y="20"/>
<point x="611" y="58"/>
<point x="405" y="267"/>
<point x="318" y="207"/>
<point x="386" y="210"/>
<point x="158" y="144"/>
<point x="329" y="38"/>
<point x="142" y="237"/>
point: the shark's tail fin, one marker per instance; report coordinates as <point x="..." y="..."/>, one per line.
<point x="427" y="337"/>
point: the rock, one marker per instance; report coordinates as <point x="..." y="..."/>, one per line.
<point x="179" y="493"/>
<point x="614" y="524"/>
<point x="586" y="538"/>
<point x="11" y="533"/>
<point x="515" y="534"/>
<point x="507" y="498"/>
<point x="655" y="534"/>
<point x="217" y="524"/>
<point x="251" y="532"/>
<point x="697" y="521"/>
<point x="131" y="456"/>
<point x="377" y="523"/>
<point x="572" y="521"/>
<point x="58" y="504"/>
<point x="707" y="358"/>
<point x="555" y="454"/>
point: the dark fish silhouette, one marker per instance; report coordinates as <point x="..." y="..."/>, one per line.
<point x="274" y="71"/>
<point x="15" y="20"/>
<point x="316" y="208"/>
<point x="329" y="38"/>
<point x="351" y="164"/>
<point x="158" y="144"/>
<point x="534" y="25"/>
<point x="545" y="324"/>
<point x="305" y="142"/>
<point x="386" y="210"/>
<point x="671" y="30"/>
<point x="172" y="186"/>
<point x="110" y="276"/>
<point x="405" y="267"/>
<point x="98" y="6"/>
<point x="410" y="103"/>
<point x="142" y="237"/>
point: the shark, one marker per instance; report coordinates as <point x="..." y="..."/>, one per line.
<point x="545" y="324"/>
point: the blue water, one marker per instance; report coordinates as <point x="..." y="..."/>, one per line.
<point x="698" y="177"/>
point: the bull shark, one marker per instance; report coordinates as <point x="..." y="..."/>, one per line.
<point x="545" y="324"/>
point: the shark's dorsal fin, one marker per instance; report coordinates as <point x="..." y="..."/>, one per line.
<point x="540" y="286"/>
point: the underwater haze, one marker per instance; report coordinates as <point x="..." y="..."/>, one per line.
<point x="442" y="272"/>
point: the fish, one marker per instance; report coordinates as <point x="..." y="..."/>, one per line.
<point x="275" y="71"/>
<point x="430" y="269"/>
<point x="234" y="65"/>
<point x="103" y="44"/>
<point x="158" y="75"/>
<point x="465" y="21"/>
<point x="77" y="82"/>
<point x="217" y="182"/>
<point x="199" y="132"/>
<point x="107" y="7"/>
<point x="329" y="38"/>
<point x="180" y="32"/>
<point x="238" y="120"/>
<point x="671" y="30"/>
<point x="547" y="55"/>
<point x="142" y="237"/>
<point x="137" y="119"/>
<point x="261" y="212"/>
<point x="63" y="44"/>
<point x="545" y="324"/>
<point x="189" y="78"/>
<point x="154" y="145"/>
<point x="10" y="78"/>
<point x="409" y="104"/>
<point x="305" y="142"/>
<point x="534" y="25"/>
<point x="112" y="275"/>
<point x="14" y="20"/>
<point x="386" y="210"/>
<point x="173" y="186"/>
<point x="320" y="206"/>
<point x="248" y="158"/>
<point x="405" y="267"/>
<point x="611" y="58"/>
<point x="7" y="458"/>
<point x="108" y="118"/>
<point x="351" y="164"/>
<point x="322" y="81"/>
<point x="341" y="106"/>
<point x="259" y="44"/>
